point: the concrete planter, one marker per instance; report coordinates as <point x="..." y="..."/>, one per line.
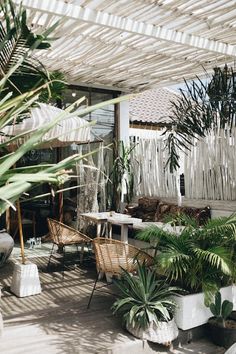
<point x="6" y="246"/>
<point x="192" y="312"/>
<point x="25" y="280"/>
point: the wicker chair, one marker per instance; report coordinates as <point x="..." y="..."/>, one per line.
<point x="112" y="255"/>
<point x="63" y="235"/>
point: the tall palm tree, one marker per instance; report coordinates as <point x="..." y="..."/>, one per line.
<point x="203" y="105"/>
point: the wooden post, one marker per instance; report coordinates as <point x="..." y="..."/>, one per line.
<point x="8" y="220"/>
<point x="20" y="232"/>
<point x="60" y="197"/>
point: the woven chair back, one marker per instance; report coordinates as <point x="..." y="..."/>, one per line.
<point x="62" y="234"/>
<point x="112" y="255"/>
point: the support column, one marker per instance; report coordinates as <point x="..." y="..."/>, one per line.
<point x="123" y="124"/>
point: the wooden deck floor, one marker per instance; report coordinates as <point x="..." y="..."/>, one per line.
<point x="57" y="321"/>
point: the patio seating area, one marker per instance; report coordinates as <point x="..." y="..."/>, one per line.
<point x="117" y="177"/>
<point x="58" y="321"/>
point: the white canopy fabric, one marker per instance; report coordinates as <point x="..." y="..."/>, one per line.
<point x="134" y="45"/>
<point x="70" y="130"/>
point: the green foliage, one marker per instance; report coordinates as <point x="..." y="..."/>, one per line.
<point x="180" y="219"/>
<point x="14" y="182"/>
<point x="19" y="73"/>
<point x="201" y="107"/>
<point x="24" y="72"/>
<point x="17" y="43"/>
<point x="55" y="88"/>
<point x="221" y="311"/>
<point x="200" y="258"/>
<point x="121" y="173"/>
<point x="144" y="298"/>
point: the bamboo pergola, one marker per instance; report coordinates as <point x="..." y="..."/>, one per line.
<point x="137" y="44"/>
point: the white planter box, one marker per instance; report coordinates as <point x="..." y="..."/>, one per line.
<point x="25" y="280"/>
<point x="192" y="312"/>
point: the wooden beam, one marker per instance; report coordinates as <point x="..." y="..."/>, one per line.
<point x="146" y="126"/>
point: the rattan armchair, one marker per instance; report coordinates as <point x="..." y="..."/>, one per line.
<point x="112" y="255"/>
<point x="63" y="235"/>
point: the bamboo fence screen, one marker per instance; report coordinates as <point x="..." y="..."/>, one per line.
<point x="148" y="161"/>
<point x="209" y="168"/>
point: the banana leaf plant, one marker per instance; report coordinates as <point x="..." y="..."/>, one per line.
<point x="14" y="181"/>
<point x="21" y="78"/>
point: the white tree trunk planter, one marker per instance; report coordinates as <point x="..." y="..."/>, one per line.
<point x="162" y="333"/>
<point x="25" y="280"/>
<point x="191" y="311"/>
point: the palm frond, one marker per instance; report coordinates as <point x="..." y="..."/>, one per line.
<point x="200" y="108"/>
<point x="22" y="71"/>
<point x="217" y="257"/>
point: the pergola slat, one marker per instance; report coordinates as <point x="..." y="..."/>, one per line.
<point x="103" y="41"/>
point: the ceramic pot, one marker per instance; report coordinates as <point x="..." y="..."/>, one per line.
<point x="162" y="333"/>
<point x="6" y="246"/>
<point x="224" y="337"/>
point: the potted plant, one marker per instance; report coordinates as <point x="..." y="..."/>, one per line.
<point x="147" y="306"/>
<point x="199" y="260"/>
<point x="6" y="246"/>
<point x="222" y="329"/>
<point x="121" y="176"/>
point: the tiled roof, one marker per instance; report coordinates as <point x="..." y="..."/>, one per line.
<point x="151" y="106"/>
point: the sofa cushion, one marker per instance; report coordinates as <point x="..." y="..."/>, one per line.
<point x="152" y="209"/>
<point x="200" y="214"/>
<point x="148" y="203"/>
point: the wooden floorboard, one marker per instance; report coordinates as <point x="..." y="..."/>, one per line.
<point x="57" y="320"/>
